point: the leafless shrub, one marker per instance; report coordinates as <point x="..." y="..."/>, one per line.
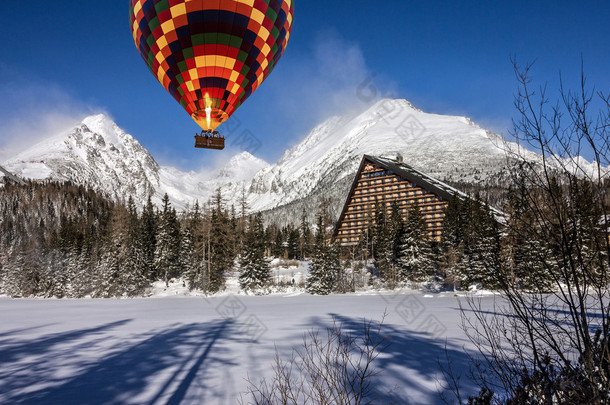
<point x="547" y="340"/>
<point x="336" y="368"/>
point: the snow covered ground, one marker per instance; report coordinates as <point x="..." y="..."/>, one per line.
<point x="288" y="276"/>
<point x="196" y="350"/>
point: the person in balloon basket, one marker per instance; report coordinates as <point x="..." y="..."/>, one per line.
<point x="208" y="136"/>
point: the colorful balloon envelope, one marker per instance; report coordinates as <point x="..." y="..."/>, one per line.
<point x="211" y="55"/>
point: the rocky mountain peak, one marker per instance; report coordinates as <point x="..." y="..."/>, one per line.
<point x="99" y="153"/>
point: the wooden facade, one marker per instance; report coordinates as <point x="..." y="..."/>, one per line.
<point x="387" y="181"/>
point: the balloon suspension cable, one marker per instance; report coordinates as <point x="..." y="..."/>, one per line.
<point x="209" y="139"/>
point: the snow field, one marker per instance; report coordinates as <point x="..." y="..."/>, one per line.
<point x="199" y="350"/>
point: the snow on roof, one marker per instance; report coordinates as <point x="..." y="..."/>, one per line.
<point x="10" y="175"/>
<point x="424" y="180"/>
<point x="403" y="169"/>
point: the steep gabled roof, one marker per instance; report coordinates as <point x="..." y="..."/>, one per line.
<point x="415" y="176"/>
<point x="427" y="182"/>
<point x="11" y="176"/>
<point x="445" y="191"/>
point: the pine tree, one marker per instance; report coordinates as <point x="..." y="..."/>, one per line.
<point x="32" y="273"/>
<point x="242" y="222"/>
<point x="397" y="228"/>
<point x="279" y="249"/>
<point x="383" y="248"/>
<point x="523" y="249"/>
<point x="482" y="245"/>
<point x="193" y="249"/>
<point x="62" y="263"/>
<point x="453" y="224"/>
<point x="293" y="242"/>
<point x="3" y="270"/>
<point x="109" y="277"/>
<point x="191" y="262"/>
<point x="46" y="227"/>
<point x="415" y="261"/>
<point x="454" y="261"/>
<point x="108" y="271"/>
<point x="235" y="240"/>
<point x="133" y="272"/>
<point x="592" y="242"/>
<point x="221" y="259"/>
<point x="83" y="269"/>
<point x="149" y="239"/>
<point x="306" y="237"/>
<point x="254" y="268"/>
<point x="13" y="272"/>
<point x="167" y="253"/>
<point x="367" y="238"/>
<point x="335" y="269"/>
<point x="320" y="281"/>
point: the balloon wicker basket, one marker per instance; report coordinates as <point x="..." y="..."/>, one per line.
<point x="210" y="140"/>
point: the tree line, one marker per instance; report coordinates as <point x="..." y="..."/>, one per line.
<point x="64" y="240"/>
<point x="59" y="239"/>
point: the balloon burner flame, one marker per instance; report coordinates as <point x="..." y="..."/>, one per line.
<point x="208" y="116"/>
<point x="208" y="110"/>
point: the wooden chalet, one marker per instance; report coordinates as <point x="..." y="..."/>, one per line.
<point x="385" y="181"/>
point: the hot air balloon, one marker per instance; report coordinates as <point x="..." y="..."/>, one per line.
<point x="211" y="55"/>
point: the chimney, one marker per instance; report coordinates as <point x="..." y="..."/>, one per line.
<point x="399" y="158"/>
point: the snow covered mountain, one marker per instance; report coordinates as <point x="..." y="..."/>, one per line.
<point x="98" y="153"/>
<point x="324" y="163"/>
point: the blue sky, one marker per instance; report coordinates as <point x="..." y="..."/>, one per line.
<point x="63" y="60"/>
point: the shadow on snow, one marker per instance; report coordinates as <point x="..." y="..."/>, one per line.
<point x="410" y="358"/>
<point x="161" y="367"/>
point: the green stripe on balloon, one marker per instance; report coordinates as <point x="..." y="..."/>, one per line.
<point x="188" y="53"/>
<point x="161" y="6"/>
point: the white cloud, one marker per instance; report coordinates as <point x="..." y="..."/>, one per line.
<point x="31" y="112"/>
<point x="326" y="79"/>
<point x="321" y="81"/>
<point x="330" y="77"/>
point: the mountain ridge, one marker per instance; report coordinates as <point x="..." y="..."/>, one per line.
<point x="97" y="153"/>
<point x="453" y="149"/>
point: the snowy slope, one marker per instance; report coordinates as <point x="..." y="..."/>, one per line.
<point x="451" y="148"/>
<point x="186" y="188"/>
<point x="446" y="147"/>
<point x="98" y="153"/>
<point x="95" y="152"/>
